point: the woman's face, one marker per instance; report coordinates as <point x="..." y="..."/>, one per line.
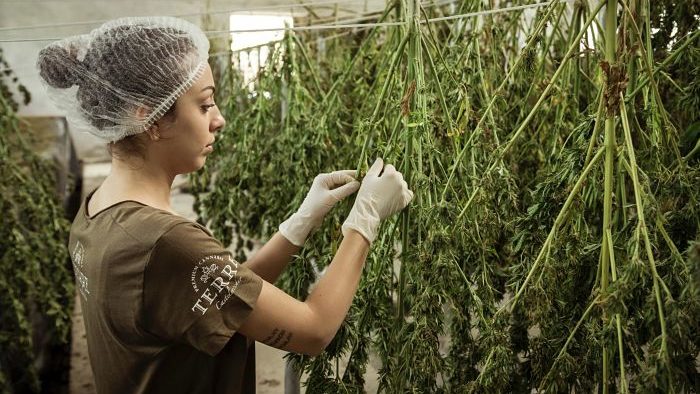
<point x="186" y="142"/>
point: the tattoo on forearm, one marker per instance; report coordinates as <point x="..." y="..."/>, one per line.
<point x="270" y="337"/>
<point x="278" y="338"/>
<point x="286" y="340"/>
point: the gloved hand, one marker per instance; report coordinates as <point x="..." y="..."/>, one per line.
<point x="326" y="190"/>
<point x="378" y="198"/>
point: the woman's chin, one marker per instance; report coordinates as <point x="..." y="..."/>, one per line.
<point x="194" y="166"/>
<point x="200" y="164"/>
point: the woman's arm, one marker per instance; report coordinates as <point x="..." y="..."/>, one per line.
<point x="281" y="321"/>
<point x="325" y="192"/>
<point x="307" y="327"/>
<point x="271" y="259"/>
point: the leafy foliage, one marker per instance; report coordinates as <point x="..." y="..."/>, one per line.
<point x="34" y="275"/>
<point x="500" y="277"/>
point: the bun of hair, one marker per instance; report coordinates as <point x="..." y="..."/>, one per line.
<point x="58" y="67"/>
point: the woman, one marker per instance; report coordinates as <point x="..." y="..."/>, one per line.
<point x="166" y="307"/>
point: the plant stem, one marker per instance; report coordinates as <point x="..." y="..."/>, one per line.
<point x="302" y="49"/>
<point x="527" y="120"/>
<point x="495" y="93"/>
<point x="618" y="324"/>
<point x="569" y="339"/>
<point x="596" y="126"/>
<point x="676" y="51"/>
<point x="647" y="62"/>
<point x="441" y="94"/>
<point x="643" y="229"/>
<point x="380" y="100"/>
<point x="674" y="251"/>
<point x="332" y="95"/>
<point x="545" y="53"/>
<point x="610" y="150"/>
<point x="557" y="223"/>
<point x="414" y="75"/>
<point x="693" y="152"/>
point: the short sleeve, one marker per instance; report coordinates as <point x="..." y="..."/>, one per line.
<point x="194" y="292"/>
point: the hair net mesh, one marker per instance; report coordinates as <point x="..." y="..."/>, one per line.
<point x="120" y="78"/>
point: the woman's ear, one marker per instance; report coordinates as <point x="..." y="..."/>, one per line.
<point x="153" y="132"/>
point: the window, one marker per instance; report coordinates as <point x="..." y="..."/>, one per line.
<point x="250" y="49"/>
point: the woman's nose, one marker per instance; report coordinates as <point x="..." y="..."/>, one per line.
<point x="218" y="123"/>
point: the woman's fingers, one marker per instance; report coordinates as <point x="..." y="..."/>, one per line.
<point x="338" y="178"/>
<point x="347" y="189"/>
<point x="350" y="173"/>
<point x="376" y="167"/>
<point x="389" y="170"/>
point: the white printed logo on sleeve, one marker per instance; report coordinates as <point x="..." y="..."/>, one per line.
<point x="78" y="258"/>
<point x="214" y="279"/>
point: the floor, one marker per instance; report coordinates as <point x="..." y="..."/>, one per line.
<point x="270" y="365"/>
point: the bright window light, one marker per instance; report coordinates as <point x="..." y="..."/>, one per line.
<point x="252" y="53"/>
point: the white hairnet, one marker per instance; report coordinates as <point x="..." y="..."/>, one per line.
<point x="102" y="78"/>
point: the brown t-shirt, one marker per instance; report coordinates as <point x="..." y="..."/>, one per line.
<point x="162" y="300"/>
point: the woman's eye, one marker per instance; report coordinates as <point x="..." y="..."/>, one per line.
<point x="205" y="108"/>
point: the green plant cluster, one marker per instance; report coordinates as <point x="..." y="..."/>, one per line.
<point x="553" y="240"/>
<point x="35" y="281"/>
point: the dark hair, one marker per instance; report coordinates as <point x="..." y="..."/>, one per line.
<point x="130" y="74"/>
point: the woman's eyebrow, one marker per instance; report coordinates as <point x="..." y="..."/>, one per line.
<point x="213" y="89"/>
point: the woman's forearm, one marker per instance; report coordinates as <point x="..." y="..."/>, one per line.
<point x="272" y="258"/>
<point x="307" y="327"/>
<point x="331" y="298"/>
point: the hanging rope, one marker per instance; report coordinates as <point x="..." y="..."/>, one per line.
<point x="216" y="33"/>
<point x="228" y="11"/>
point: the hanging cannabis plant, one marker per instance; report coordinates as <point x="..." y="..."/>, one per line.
<point x="35" y="282"/>
<point x="553" y="241"/>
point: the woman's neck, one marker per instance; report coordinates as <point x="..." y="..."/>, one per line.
<point x="145" y="183"/>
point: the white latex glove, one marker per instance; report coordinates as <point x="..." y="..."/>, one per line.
<point x="378" y="198"/>
<point x="325" y="192"/>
